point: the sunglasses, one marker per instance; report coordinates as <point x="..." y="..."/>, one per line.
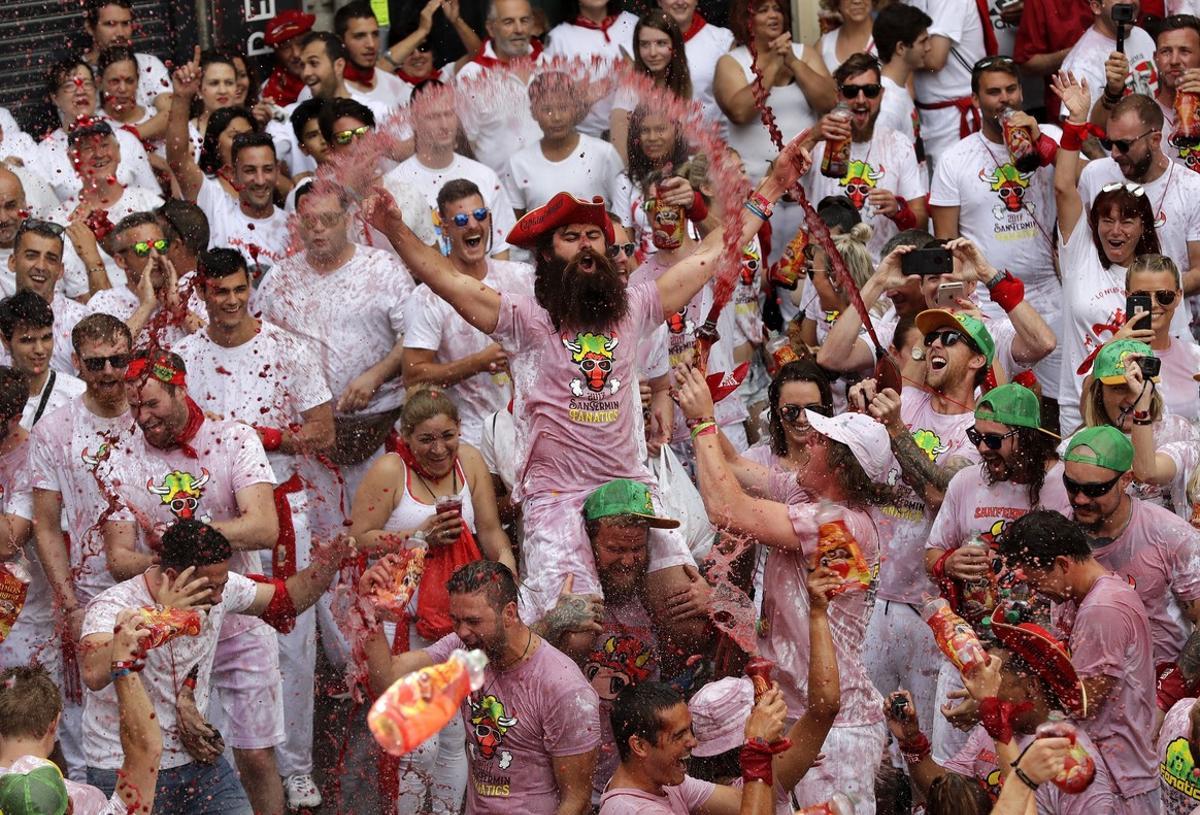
<point x="142" y="248"/>
<point x="1132" y="189"/>
<point x="344" y="137"/>
<point x="38" y="225"/>
<point x="991" y="62"/>
<point x="1165" y="297"/>
<point x="948" y="337"/>
<point x="1090" y="490"/>
<point x="792" y="413"/>
<point x="617" y="248"/>
<point x="1124" y="145"/>
<point x="869" y="90"/>
<point x="462" y="219"/>
<point x="96" y="364"/>
<point x="992" y="440"/>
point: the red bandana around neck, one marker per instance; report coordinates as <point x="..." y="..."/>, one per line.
<point x="414" y="80"/>
<point x="194" y="420"/>
<point x="603" y="26"/>
<point x="491" y="62"/>
<point x="282" y="86"/>
<point x="363" y="76"/>
<point x="405" y="452"/>
<point x="697" y="23"/>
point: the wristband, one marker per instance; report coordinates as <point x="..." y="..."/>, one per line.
<point x="272" y="438"/>
<point x="698" y="211"/>
<point x="1143" y="422"/>
<point x="190" y="680"/>
<point x="763" y="204"/>
<point x="1026" y="780"/>
<point x="118" y="673"/>
<point x="1008" y="292"/>
<point x="755" y="759"/>
<point x="131" y="665"/>
<point x="916" y="749"/>
<point x="1046" y="149"/>
<point x="903" y="217"/>
<point x="692" y="423"/>
<point x="756" y="212"/>
<point x="703" y="429"/>
<point x="1074" y="135"/>
<point x="996" y="717"/>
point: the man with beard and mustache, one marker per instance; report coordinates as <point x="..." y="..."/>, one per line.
<point x="1019" y="471"/>
<point x="1135" y="140"/>
<point x="573" y="350"/>
<point x="884" y="180"/>
<point x="68" y="459"/>
<point x="1177" y="55"/>
<point x="534" y="724"/>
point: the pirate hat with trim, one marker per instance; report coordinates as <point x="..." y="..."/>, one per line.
<point x="561" y="210"/>
<point x="1044" y="655"/>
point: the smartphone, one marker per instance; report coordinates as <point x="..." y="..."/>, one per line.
<point x="1150" y="367"/>
<point x="1137" y="309"/>
<point x="948" y="295"/>
<point x="932" y="260"/>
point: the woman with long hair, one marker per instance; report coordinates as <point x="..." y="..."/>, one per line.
<point x="661" y="168"/>
<point x="1094" y="253"/>
<point x="852" y="36"/>
<point x="658" y="52"/>
<point x="218" y="89"/>
<point x="118" y="71"/>
<point x="215" y="158"/>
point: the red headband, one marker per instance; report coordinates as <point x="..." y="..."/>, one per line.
<point x="160" y="368"/>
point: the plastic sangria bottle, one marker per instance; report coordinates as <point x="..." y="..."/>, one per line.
<point x="1187" y="119"/>
<point x="1019" y="141"/>
<point x="420" y="704"/>
<point x="836" y="161"/>
<point x="759" y="671"/>
<point x="1080" y="768"/>
<point x="954" y="636"/>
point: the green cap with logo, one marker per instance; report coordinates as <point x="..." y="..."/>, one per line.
<point x="40" y="791"/>
<point x="624" y="497"/>
<point x="1109" y="365"/>
<point x="1103" y="446"/>
<point x="1012" y="404"/>
<point x="933" y="319"/>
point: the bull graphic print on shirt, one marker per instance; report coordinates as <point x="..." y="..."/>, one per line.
<point x="1177" y="769"/>
<point x="1190" y="156"/>
<point x="181" y="492"/>
<point x="859" y="180"/>
<point x="489" y="722"/>
<point x="593" y="353"/>
<point x="1010" y="185"/>
<point x="102" y="453"/>
<point x="620" y="662"/>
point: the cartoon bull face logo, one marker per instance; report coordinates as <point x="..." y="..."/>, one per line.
<point x="593" y="353"/>
<point x="102" y="453"/>
<point x="619" y="663"/>
<point x="859" y="180"/>
<point x="490" y="724"/>
<point x="181" y="493"/>
<point x="1010" y="184"/>
<point x="751" y="262"/>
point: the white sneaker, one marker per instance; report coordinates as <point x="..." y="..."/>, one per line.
<point x="302" y="791"/>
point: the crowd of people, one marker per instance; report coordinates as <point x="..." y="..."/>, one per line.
<point x="792" y="427"/>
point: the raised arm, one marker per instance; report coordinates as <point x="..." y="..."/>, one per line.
<point x="186" y="82"/>
<point x="1075" y="98"/>
<point x="681" y="282"/>
<point x="844" y="349"/>
<point x="382" y="667"/>
<point x="303" y="588"/>
<point x="1149" y="465"/>
<point x="257" y="524"/>
<point x="478" y="304"/>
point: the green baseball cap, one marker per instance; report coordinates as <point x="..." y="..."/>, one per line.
<point x="934" y="318"/>
<point x="1104" y="446"/>
<point x="40" y="791"/>
<point x="1109" y="365"/>
<point x="624" y="497"/>
<point x="1012" y="404"/>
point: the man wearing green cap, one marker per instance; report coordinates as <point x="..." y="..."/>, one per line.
<point x="1155" y="549"/>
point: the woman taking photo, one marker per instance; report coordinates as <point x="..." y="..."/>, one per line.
<point x="658" y="53"/>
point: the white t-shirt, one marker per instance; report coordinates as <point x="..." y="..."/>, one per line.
<point x="166" y="668"/>
<point x="269" y="381"/>
<point x="885" y="162"/>
<point x="792" y="113"/>
<point x="33" y="631"/>
<point x="1178" y="389"/>
<point x="390" y="92"/>
<point x="69" y="453"/>
<point x="593" y="168"/>
<point x="703" y="49"/>
<point x="55" y="166"/>
<point x="1086" y="60"/>
<point x="611" y="46"/>
<point x="352" y="316"/>
<point x="411" y="173"/>
<point x="493" y="106"/>
<point x="66" y="314"/>
<point x="432" y="324"/>
<point x="75" y="279"/>
<point x="498" y="446"/>
<point x="262" y="241"/>
<point x="153" y="79"/>
<point x="897" y="111"/>
<point x="58" y="389"/>
<point x="958" y="21"/>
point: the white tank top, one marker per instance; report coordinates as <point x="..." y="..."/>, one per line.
<point x="792" y="114"/>
<point x="411" y="513"/>
<point x="828" y="45"/>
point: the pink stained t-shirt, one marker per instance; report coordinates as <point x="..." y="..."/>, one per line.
<point x="517" y="722"/>
<point x="682" y="799"/>
<point x="904" y="525"/>
<point x="1159" y="553"/>
<point x="783" y="629"/>
<point x="1110" y="636"/>
<point x="1180" y="787"/>
<point x="977" y="760"/>
<point x="577" y="395"/>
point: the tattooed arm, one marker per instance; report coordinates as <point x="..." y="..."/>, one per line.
<point x="573" y="624"/>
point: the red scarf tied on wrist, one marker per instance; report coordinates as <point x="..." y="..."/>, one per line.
<point x="603" y="26"/>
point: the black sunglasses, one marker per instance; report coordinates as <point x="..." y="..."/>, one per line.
<point x="869" y="90"/>
<point x="791" y="413"/>
<point x="1165" y="297"/>
<point x="991" y="62"/>
<point x="948" y="337"/>
<point x="1124" y="145"/>
<point x="38" y="225"/>
<point x="1090" y="490"/>
<point x="96" y="364"/>
<point x="992" y="440"/>
<point x="618" y="248"/>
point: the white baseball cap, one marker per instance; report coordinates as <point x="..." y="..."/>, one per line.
<point x="867" y="439"/>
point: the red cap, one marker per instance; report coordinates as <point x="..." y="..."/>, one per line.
<point x="288" y="24"/>
<point x="561" y="210"/>
<point x="1045" y="655"/>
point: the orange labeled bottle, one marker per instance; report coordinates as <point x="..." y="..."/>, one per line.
<point x="954" y="636"/>
<point x="420" y="704"/>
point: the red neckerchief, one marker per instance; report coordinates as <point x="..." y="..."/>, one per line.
<point x="602" y="26"/>
<point x="282" y="86"/>
<point x="402" y="449"/>
<point x="414" y="80"/>
<point x="194" y="420"/>
<point x="492" y="62"/>
<point x="693" y="29"/>
<point x="363" y="76"/>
